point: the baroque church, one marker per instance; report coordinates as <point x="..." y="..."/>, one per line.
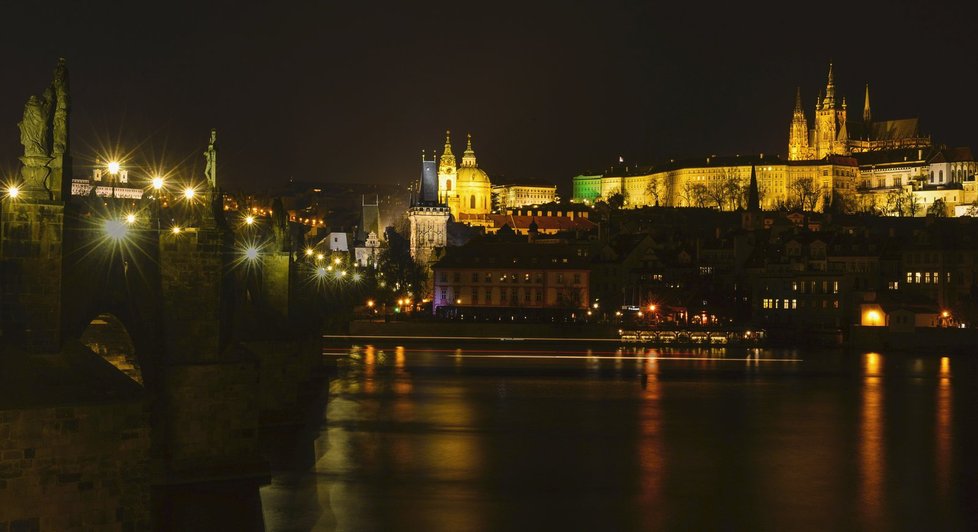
<point x="835" y="134"/>
<point x="465" y="189"/>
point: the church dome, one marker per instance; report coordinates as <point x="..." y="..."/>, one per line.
<point x="469" y="171"/>
<point x="472" y="174"/>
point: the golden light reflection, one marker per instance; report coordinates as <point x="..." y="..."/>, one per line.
<point x="944" y="430"/>
<point x="651" y="447"/>
<point x="871" y="442"/>
<point x="369" y="369"/>
<point x="402" y="379"/>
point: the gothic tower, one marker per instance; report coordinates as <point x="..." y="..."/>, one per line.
<point x="429" y="219"/>
<point x="798" y="133"/>
<point x="830" y="123"/>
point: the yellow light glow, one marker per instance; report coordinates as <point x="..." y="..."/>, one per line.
<point x="370" y="303"/>
<point x="249" y="220"/>
<point x="114" y="167"/>
<point x="945" y="314"/>
<point x="309" y="252"/>
<point x="320" y="256"/>
<point x="251" y="253"/>
<point x="157" y="182"/>
<point x="115" y="229"/>
<point x="651" y="308"/>
<point x="873" y="317"/>
<point x="189" y="193"/>
<point x="337" y="260"/>
<point x="321" y="272"/>
<point x="175" y="230"/>
<point x="458" y="301"/>
<point x="13" y="192"/>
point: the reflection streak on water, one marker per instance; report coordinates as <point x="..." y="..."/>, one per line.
<point x="943" y="432"/>
<point x="651" y="446"/>
<point x="871" y="447"/>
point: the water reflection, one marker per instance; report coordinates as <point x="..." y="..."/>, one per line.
<point x="419" y="438"/>
<point x="871" y="442"/>
<point x="943" y="432"/>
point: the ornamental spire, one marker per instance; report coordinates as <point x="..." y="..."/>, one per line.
<point x="866" y="114"/>
<point x="447" y="161"/>
<point x="798" y="109"/>
<point x="468" y="158"/>
<point x="830" y="90"/>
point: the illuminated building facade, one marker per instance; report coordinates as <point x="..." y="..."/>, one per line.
<point x="466" y="188"/>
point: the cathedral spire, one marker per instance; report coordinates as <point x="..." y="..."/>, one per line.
<point x="798" y="109"/>
<point x="448" y="143"/>
<point x="866" y="114"/>
<point x="830" y="90"/>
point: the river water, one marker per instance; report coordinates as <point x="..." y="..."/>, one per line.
<point x="548" y="437"/>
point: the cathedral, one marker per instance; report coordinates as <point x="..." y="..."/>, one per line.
<point x="835" y="134"/>
<point x="465" y="189"/>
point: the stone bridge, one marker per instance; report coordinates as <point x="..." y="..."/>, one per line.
<point x="218" y="347"/>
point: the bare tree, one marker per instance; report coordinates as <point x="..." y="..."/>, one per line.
<point x="652" y="189"/>
<point x="804" y="194"/>
<point x="938" y="208"/>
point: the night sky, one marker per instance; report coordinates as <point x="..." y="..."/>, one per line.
<point x="353" y="91"/>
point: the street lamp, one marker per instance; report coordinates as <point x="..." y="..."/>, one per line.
<point x="249" y="219"/>
<point x="251" y="253"/>
<point x="130" y="218"/>
<point x="189" y="193"/>
<point x="113" y="167"/>
<point x="157" y="183"/>
<point x="13" y="191"/>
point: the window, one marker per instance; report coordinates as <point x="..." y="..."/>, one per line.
<point x="794" y="304"/>
<point x="577" y="278"/>
<point x="893" y="285"/>
<point x="909" y="277"/>
<point x="538" y="295"/>
<point x="475" y="277"/>
<point x="443" y="277"/>
<point x="560" y="278"/>
<point x="488" y="277"/>
<point x="475" y="296"/>
<point x="488" y="296"/>
<point x="526" y="295"/>
<point x="456" y="277"/>
<point x="936" y="277"/>
<point x="794" y="286"/>
<point x="502" y="295"/>
<point x="835" y="287"/>
<point x="472" y="202"/>
<point x="444" y="294"/>
<point x="448" y="185"/>
<point x="927" y="277"/>
<point x="514" y="296"/>
<point x="539" y="277"/>
<point x="916" y="277"/>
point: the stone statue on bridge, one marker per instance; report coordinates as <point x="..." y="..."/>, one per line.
<point x="45" y="122"/>
<point x="210" y="169"/>
<point x="34" y="127"/>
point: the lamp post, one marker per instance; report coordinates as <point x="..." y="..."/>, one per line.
<point x="158" y="184"/>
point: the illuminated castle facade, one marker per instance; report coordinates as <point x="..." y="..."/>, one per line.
<point x="835" y="134"/>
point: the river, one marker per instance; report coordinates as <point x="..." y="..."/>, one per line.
<point x="548" y="437"/>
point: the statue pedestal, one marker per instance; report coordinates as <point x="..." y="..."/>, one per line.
<point x="35" y="173"/>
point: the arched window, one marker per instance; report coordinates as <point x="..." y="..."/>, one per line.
<point x="472" y="202"/>
<point x="941" y="175"/>
<point x="448" y="184"/>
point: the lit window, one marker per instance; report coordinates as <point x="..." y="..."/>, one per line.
<point x="936" y="277"/>
<point x="794" y="304"/>
<point x="916" y="277"/>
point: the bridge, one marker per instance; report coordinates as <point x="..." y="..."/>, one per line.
<point x="222" y="339"/>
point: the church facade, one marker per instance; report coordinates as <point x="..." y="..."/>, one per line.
<point x="466" y="188"/>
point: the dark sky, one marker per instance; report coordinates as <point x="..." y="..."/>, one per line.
<point x="352" y="91"/>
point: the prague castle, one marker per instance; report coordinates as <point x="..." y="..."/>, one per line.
<point x="886" y="167"/>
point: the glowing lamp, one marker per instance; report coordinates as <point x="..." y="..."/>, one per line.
<point x="114" y="167"/>
<point x="370" y="303"/>
<point x="189" y="193"/>
<point x="13" y="192"/>
<point x="309" y="252"/>
<point x="157" y="183"/>
<point x="251" y="253"/>
<point x="130" y="218"/>
<point x="115" y="229"/>
<point x="651" y="308"/>
<point x="175" y="230"/>
<point x="321" y="272"/>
